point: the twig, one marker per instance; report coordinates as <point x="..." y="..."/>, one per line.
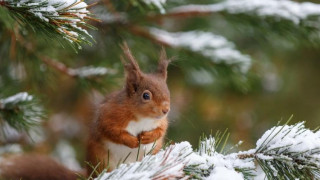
<point x="179" y="14"/>
<point x="58" y="66"/>
<point x="52" y="63"/>
<point x="139" y="31"/>
<point x="246" y="156"/>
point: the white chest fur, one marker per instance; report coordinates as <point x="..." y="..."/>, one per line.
<point x="119" y="152"/>
<point x="143" y="124"/>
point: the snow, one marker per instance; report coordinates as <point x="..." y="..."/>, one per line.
<point x="158" y="3"/>
<point x="171" y="161"/>
<point x="223" y="173"/>
<point x="57" y="10"/>
<point x="207" y="146"/>
<point x="88" y="71"/>
<point x="28" y="110"/>
<point x="292" y="143"/>
<point x="167" y="163"/>
<point x="282" y="9"/>
<point x="219" y="162"/>
<point x="15" y="99"/>
<point x="294" y="138"/>
<point x="264" y="157"/>
<point x="215" y="47"/>
<point x="278" y="142"/>
<point x="259" y="174"/>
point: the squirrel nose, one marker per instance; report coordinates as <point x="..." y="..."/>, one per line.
<point x="165" y="110"/>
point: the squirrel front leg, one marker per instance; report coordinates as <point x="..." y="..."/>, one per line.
<point x="147" y="137"/>
<point x="122" y="136"/>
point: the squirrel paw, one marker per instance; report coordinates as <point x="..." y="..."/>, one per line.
<point x="148" y="137"/>
<point x="134" y="143"/>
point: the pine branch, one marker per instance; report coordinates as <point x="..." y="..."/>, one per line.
<point x="167" y="164"/>
<point x="290" y="152"/>
<point x="55" y="19"/>
<point x="289" y="19"/>
<point x="209" y="160"/>
<point x="146" y="5"/>
<point x="284" y="152"/>
<point x="21" y="111"/>
<point x="87" y="72"/>
<point x="156" y="4"/>
<point x="214" y="47"/>
<point x="285" y="9"/>
<point x="145" y="33"/>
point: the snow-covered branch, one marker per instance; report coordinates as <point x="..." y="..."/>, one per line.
<point x="20" y="111"/>
<point x="15" y="99"/>
<point x="157" y="3"/>
<point x="283" y="152"/>
<point x="65" y="18"/>
<point x="167" y="164"/>
<point x="280" y="9"/>
<point x="293" y="147"/>
<point x="212" y="46"/>
<point x="83" y="72"/>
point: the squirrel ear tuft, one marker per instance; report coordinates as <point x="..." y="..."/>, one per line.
<point x="131" y="63"/>
<point x="132" y="70"/>
<point x="163" y="64"/>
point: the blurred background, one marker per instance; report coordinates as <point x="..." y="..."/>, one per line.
<point x="233" y="69"/>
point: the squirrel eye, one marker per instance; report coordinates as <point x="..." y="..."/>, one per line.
<point x="146" y="95"/>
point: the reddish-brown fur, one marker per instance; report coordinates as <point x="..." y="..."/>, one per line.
<point x="34" y="167"/>
<point x="114" y="115"/>
<point x="124" y="106"/>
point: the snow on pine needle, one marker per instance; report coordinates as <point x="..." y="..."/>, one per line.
<point x="90" y="71"/>
<point x="283" y="152"/>
<point x="16" y="99"/>
<point x="214" y="47"/>
<point x="157" y="3"/>
<point x="167" y="164"/>
<point x="293" y="148"/>
<point x="181" y="161"/>
<point x="20" y="111"/>
<point x="65" y="18"/>
<point x="282" y="9"/>
<point x="210" y="161"/>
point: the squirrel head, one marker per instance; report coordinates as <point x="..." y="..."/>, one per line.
<point x="147" y="93"/>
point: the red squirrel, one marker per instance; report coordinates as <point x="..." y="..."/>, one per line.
<point x="133" y="116"/>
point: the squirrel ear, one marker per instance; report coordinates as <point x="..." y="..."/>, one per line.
<point x="131" y="63"/>
<point x="132" y="69"/>
<point x="133" y="77"/>
<point x="163" y="64"/>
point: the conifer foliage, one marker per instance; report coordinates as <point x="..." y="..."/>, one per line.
<point x="45" y="42"/>
<point x="56" y="19"/>
<point x="283" y="152"/>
